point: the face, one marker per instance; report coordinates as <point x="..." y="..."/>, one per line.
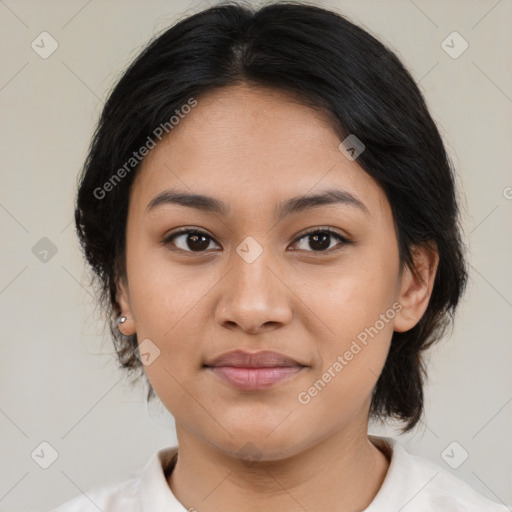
<point x="317" y="282"/>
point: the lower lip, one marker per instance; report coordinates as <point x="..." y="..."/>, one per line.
<point x="252" y="379"/>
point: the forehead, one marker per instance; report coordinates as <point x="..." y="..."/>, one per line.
<point x="252" y="146"/>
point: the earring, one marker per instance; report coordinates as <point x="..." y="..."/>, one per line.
<point x="121" y="320"/>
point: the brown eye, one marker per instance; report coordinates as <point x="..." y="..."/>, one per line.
<point x="320" y="240"/>
<point x="190" y="240"/>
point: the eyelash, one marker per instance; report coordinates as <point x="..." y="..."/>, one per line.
<point x="312" y="231"/>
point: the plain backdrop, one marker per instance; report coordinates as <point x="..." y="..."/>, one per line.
<point x="59" y="381"/>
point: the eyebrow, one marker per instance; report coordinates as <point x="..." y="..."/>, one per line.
<point x="290" y="206"/>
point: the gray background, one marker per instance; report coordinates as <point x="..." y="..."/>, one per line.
<point x="59" y="381"/>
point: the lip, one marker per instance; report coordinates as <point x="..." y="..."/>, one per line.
<point x="260" y="359"/>
<point x="252" y="371"/>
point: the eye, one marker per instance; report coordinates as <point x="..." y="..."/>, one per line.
<point x="319" y="240"/>
<point x="189" y="240"/>
<point x="194" y="240"/>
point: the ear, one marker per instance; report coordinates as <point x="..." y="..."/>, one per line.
<point x="415" y="288"/>
<point x="123" y="299"/>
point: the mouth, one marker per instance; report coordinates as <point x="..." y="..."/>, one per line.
<point x="254" y="371"/>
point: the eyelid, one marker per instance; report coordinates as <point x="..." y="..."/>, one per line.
<point x="323" y="229"/>
<point x="184" y="231"/>
<point x="344" y="240"/>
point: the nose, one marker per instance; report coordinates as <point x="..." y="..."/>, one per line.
<point x="254" y="297"/>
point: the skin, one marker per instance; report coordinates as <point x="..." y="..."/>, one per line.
<point x="253" y="148"/>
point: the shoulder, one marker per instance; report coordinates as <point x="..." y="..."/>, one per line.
<point x="416" y="484"/>
<point x="116" y="496"/>
<point x="133" y="493"/>
<point x="447" y="490"/>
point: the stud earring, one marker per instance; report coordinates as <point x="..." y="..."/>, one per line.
<point x="121" y="320"/>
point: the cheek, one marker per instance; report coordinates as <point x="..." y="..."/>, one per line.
<point x="352" y="297"/>
<point x="349" y="365"/>
<point x="165" y="302"/>
<point x="357" y="304"/>
<point x="163" y="294"/>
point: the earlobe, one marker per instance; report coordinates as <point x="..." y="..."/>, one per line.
<point x="127" y="327"/>
<point x="416" y="287"/>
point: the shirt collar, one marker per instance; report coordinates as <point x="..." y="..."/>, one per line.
<point x="401" y="484"/>
<point x="155" y="494"/>
<point x="153" y="489"/>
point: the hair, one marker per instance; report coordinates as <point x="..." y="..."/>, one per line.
<point x="331" y="65"/>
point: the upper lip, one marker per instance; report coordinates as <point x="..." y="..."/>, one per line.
<point x="261" y="359"/>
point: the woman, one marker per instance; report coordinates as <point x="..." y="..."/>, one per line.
<point x="271" y="215"/>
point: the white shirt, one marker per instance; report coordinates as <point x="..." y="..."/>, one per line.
<point x="412" y="484"/>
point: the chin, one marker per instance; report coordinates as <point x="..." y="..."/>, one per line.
<point x="259" y="446"/>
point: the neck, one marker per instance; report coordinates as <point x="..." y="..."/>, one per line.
<point x="342" y="472"/>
